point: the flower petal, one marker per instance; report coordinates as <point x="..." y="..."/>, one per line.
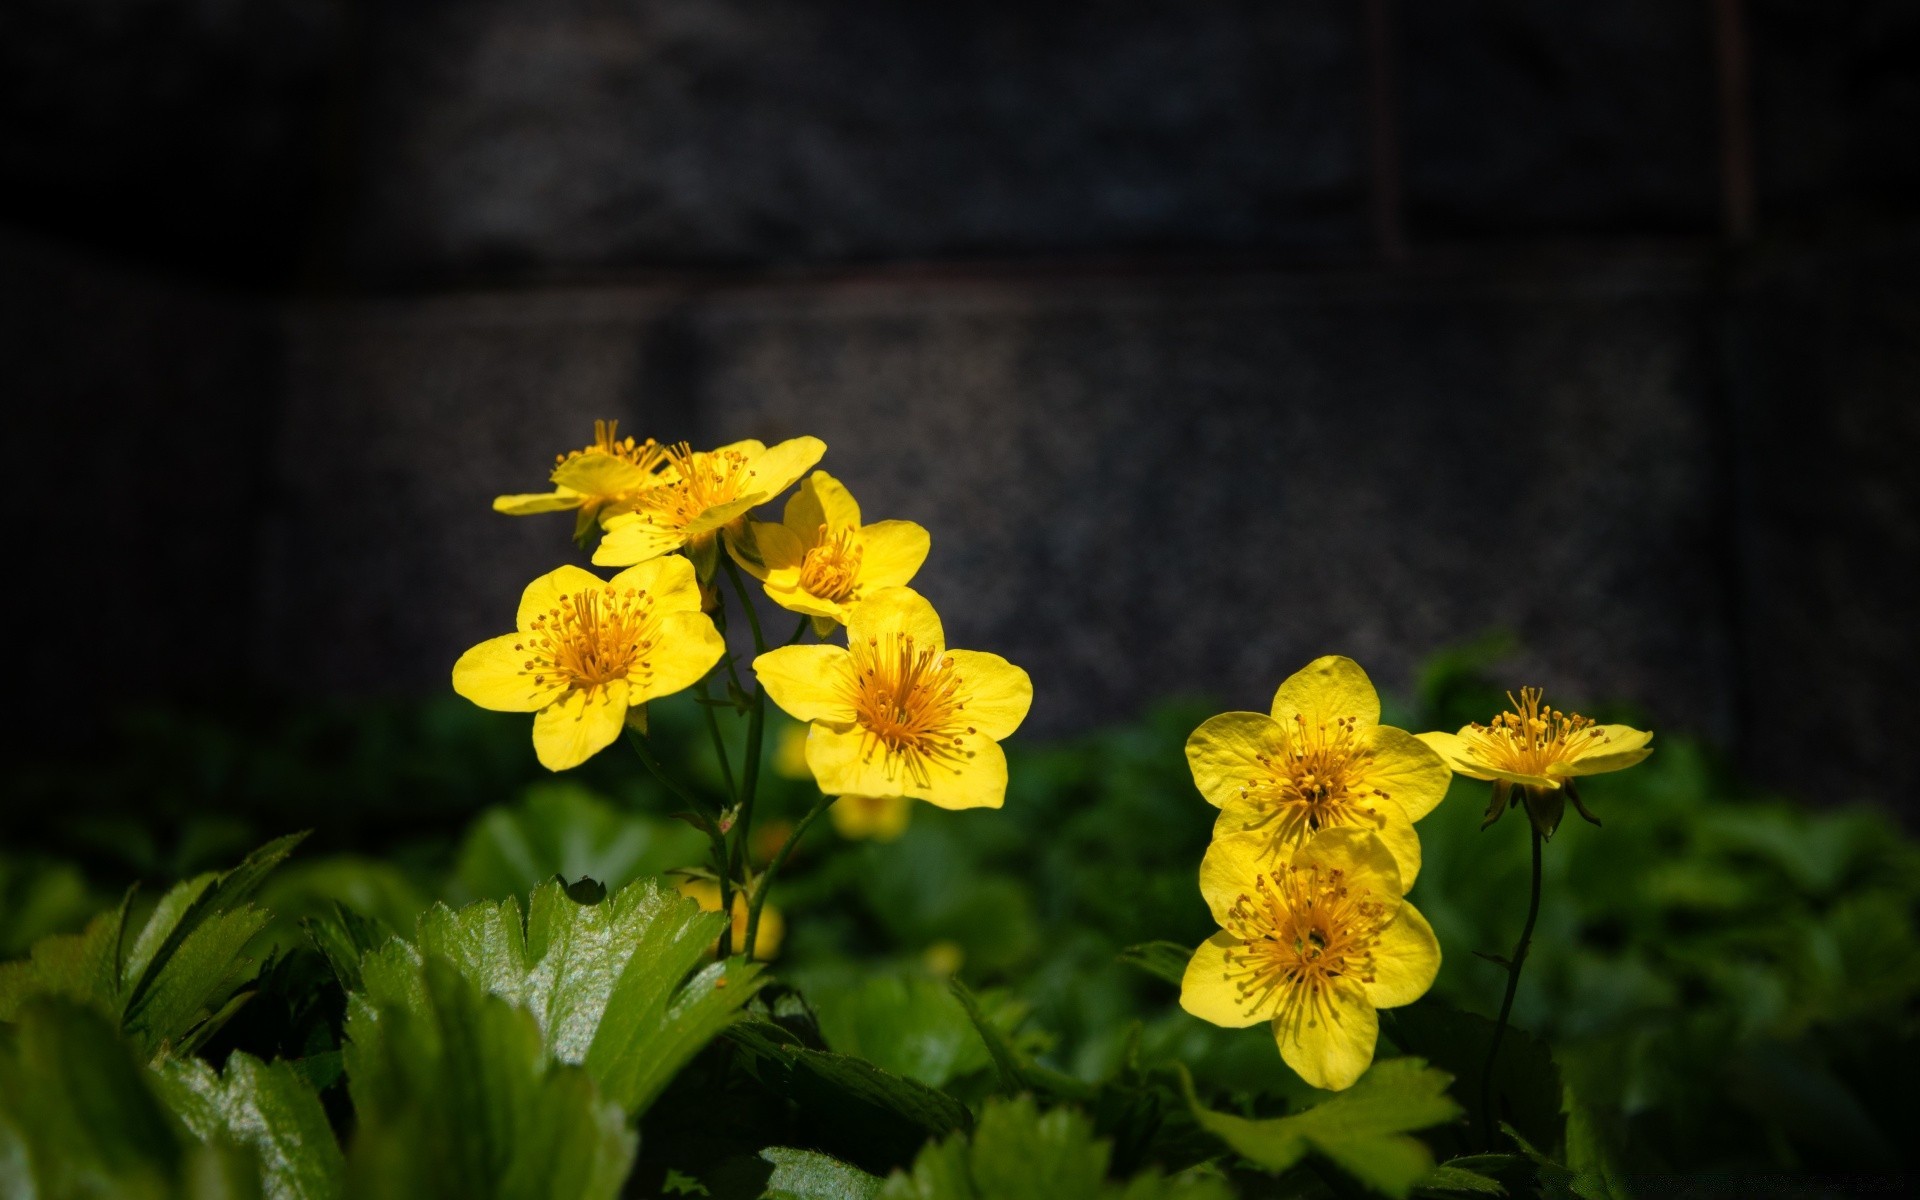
<point x="809" y="683"/>
<point x="892" y="553"/>
<point x="576" y="728"/>
<point x="1326" y="689"/>
<point x="1330" y="1044"/>
<point x="669" y="581"/>
<point x="1406" y="958"/>
<point x="1364" y="857"/>
<point x="719" y="516"/>
<point x="839" y="766"/>
<point x="839" y="510"/>
<point x="1616" y="747"/>
<point x="882" y="818"/>
<point x="634" y="538"/>
<point x="996" y="693"/>
<point x="544" y="594"/>
<point x="687" y="648"/>
<point x="601" y="475"/>
<point x="776" y="470"/>
<point x="1228" y="868"/>
<point x="1208" y="991"/>
<point x="528" y="503"/>
<point x="1407" y="769"/>
<point x="897" y="610"/>
<point x="1453" y="748"/>
<point x="977" y="781"/>
<point x="1224" y="754"/>
<point x="778" y="548"/>
<point x="789" y="595"/>
<point x="493" y="675"/>
<point x="804" y="515"/>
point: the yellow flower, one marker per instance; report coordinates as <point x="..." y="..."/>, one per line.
<point x="701" y="493"/>
<point x="882" y="818"/>
<point x="590" y="652"/>
<point x="896" y="713"/>
<point x="1539" y="749"/>
<point x="598" y="481"/>
<point x="821" y="561"/>
<point x="1315" y="942"/>
<point x="773" y="927"/>
<point x="1321" y="760"/>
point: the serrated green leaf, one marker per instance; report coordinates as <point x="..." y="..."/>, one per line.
<point x="457" y="1096"/>
<point x="907" y="1023"/>
<point x="343" y="937"/>
<point x="1162" y="960"/>
<point x="1006" y="1060"/>
<point x="77" y="967"/>
<point x="1449" y="1180"/>
<point x="271" y="1108"/>
<point x="564" y="829"/>
<point x="784" y="1173"/>
<point x="195" y="984"/>
<point x="1362" y="1130"/>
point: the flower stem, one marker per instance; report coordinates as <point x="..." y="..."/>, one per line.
<point x="799" y="629"/>
<point x="641" y="747"/>
<point x="719" y="743"/>
<point x="756" y="728"/>
<point x="765" y="883"/>
<point x="1514" y="964"/>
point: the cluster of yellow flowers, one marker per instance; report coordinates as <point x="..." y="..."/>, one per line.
<point x="893" y="713"/>
<point x="1315" y="849"/>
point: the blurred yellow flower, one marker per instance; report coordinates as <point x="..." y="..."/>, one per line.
<point x="882" y="818"/>
<point x="1321" y="760"/>
<point x="789" y="757"/>
<point x="702" y="493"/>
<point x="896" y="713"/>
<point x="1314" y="942"/>
<point x="597" y="481"/>
<point x="821" y="561"/>
<point x="590" y="652"/>
<point x="1541" y="750"/>
<point x="773" y="927"/>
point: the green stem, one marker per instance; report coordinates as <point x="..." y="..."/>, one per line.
<point x="800" y="629"/>
<point x="746" y="602"/>
<point x="638" y="741"/>
<point x="1518" y="961"/>
<point x="719" y="743"/>
<point x="756" y="727"/>
<point x="764" y="884"/>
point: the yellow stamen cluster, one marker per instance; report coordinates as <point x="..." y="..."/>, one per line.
<point x="592" y="638"/>
<point x="1303" y="930"/>
<point x="648" y="455"/>
<point x="831" y="568"/>
<point x="697" y="481"/>
<point x="1315" y="780"/>
<point x="1531" y="736"/>
<point x="909" y="706"/>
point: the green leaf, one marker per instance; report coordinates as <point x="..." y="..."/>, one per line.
<point x="344" y="937"/>
<point x="1526" y="1083"/>
<point x="1362" y="1130"/>
<point x="271" y="1108"/>
<point x="1006" y="1059"/>
<point x="80" y="1117"/>
<point x="78" y="967"/>
<point x="1162" y="960"/>
<point x="192" y="992"/>
<point x="1450" y="1179"/>
<point x="565" y="829"/>
<point x="603" y="981"/>
<point x="784" y="1173"/>
<point x="1018" y="1152"/>
<point x="904" y="1022"/>
<point x="455" y="1095"/>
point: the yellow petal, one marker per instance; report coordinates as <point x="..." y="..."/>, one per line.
<point x="634" y="538"/>
<point x="882" y="818"/>
<point x="1228" y="868"/>
<point x="538" y="502"/>
<point x="778" y="547"/>
<point x="892" y="553"/>
<point x="1406" y="769"/>
<point x="669" y="581"/>
<point x="1406" y="958"/>
<point x="996" y="693"/>
<point x="841" y="767"/>
<point x="785" y="591"/>
<point x="810" y="683"/>
<point x="834" y="504"/>
<point x="776" y="470"/>
<point x="897" y="610"/>
<point x="686" y="650"/>
<point x="804" y="515"/>
<point x="1208" y="991"/>
<point x="1326" y="689"/>
<point x="1383" y="818"/>
<point x="747" y="448"/>
<point x="493" y="675"/>
<point x="1617" y="747"/>
<point x="1364" y="857"/>
<point x="544" y="594"/>
<point x="978" y="781"/>
<point x="1329" y="1044"/>
<point x="1453" y="748"/>
<point x="719" y="517"/>
<point x="1223" y="754"/>
<point x="568" y="733"/>
<point x="601" y="475"/>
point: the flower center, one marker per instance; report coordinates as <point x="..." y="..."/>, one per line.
<point x="1302" y="930"/>
<point x="1316" y="778"/>
<point x="1531" y="737"/>
<point x="907" y="700"/>
<point x="592" y="638"/>
<point x="696" y="481"/>
<point x="648" y="455"/>
<point x="831" y="567"/>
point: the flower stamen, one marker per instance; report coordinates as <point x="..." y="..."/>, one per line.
<point x="590" y="638"/>
<point x="1531" y="737"/>
<point x="1302" y="931"/>
<point x="1316" y="778"/>
<point x="908" y="702"/>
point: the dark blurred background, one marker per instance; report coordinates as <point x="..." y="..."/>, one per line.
<point x="1205" y="338"/>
